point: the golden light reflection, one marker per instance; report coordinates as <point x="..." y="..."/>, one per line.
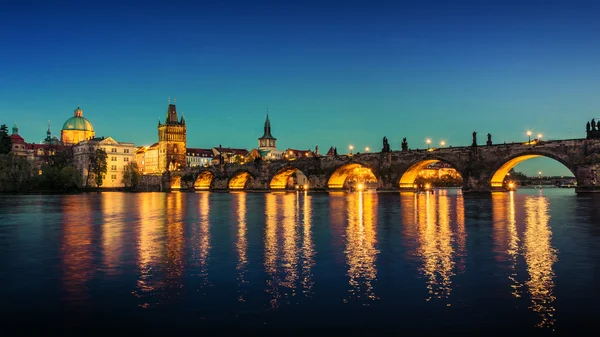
<point x="271" y="249"/>
<point x="436" y="243"/>
<point x="76" y="246"/>
<point x="308" y="249"/>
<point x="361" y="240"/>
<point x="113" y="213"/>
<point x="238" y="181"/>
<point x="290" y="243"/>
<point x="540" y="256"/>
<point x="203" y="180"/>
<point x="241" y="244"/>
<point x="175" y="214"/>
<point x="201" y="239"/>
<point x="150" y="244"/>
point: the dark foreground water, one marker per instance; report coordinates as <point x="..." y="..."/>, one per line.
<point x="284" y="263"/>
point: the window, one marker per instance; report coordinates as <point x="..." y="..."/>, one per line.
<point x="113" y="158"/>
<point x="113" y="150"/>
<point x="126" y="151"/>
<point x="113" y="167"/>
<point x="126" y="159"/>
<point x="113" y="177"/>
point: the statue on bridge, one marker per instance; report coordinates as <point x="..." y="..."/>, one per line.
<point x="593" y="124"/>
<point x="489" y="140"/>
<point x="335" y="151"/>
<point x="592" y="130"/>
<point x="474" y="139"/>
<point x="587" y="127"/>
<point x="404" y="144"/>
<point x="386" y="145"/>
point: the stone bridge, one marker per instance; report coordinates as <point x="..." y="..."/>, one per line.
<point x="483" y="168"/>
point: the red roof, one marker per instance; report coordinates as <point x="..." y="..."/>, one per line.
<point x="16" y="139"/>
<point x="199" y="152"/>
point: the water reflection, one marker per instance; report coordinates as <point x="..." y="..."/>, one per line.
<point x="76" y="247"/>
<point x="361" y="239"/>
<point x="150" y="243"/>
<point x="175" y="211"/>
<point x="528" y="236"/>
<point x="540" y="256"/>
<point x="241" y="244"/>
<point x="112" y="231"/>
<point x="289" y="250"/>
<point x="439" y="245"/>
<point x="200" y="240"/>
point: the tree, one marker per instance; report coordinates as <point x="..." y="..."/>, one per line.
<point x="5" y="143"/>
<point x="15" y="173"/>
<point x="131" y="175"/>
<point x="97" y="166"/>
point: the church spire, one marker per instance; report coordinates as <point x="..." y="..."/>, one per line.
<point x="15" y="129"/>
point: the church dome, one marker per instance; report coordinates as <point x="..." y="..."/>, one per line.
<point x="78" y="122"/>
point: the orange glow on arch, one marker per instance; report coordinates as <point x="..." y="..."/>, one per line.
<point x="238" y="181"/>
<point x="350" y="172"/>
<point x="408" y="178"/>
<point x="204" y="180"/>
<point x="176" y="182"/>
<point x="498" y="177"/>
<point x="280" y="180"/>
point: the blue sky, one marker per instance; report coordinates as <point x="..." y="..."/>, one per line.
<point x="331" y="73"/>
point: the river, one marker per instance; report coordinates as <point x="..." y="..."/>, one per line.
<point x="509" y="263"/>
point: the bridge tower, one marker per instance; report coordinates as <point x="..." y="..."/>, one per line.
<point x="171" y="141"/>
<point x="267" y="142"/>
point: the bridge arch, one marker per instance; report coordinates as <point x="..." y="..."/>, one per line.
<point x="239" y="180"/>
<point x="410" y="175"/>
<point x="204" y="180"/>
<point x="348" y="173"/>
<point x="280" y="180"/>
<point x="175" y="182"/>
<point x="501" y="170"/>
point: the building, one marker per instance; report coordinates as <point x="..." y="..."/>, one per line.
<point x="76" y="129"/>
<point x="292" y="154"/>
<point x="438" y="170"/>
<point x="267" y="142"/>
<point x="171" y="142"/>
<point x="119" y="155"/>
<point x="39" y="153"/>
<point x="146" y="158"/>
<point x="198" y="157"/>
<point x="228" y="155"/>
<point x="18" y="146"/>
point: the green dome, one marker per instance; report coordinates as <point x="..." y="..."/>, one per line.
<point x="78" y="123"/>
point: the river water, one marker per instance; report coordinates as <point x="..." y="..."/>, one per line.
<point x="520" y="263"/>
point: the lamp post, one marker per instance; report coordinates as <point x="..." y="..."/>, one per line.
<point x="442" y="143"/>
<point x="539" y="137"/>
<point x="428" y="141"/>
<point x="367" y="149"/>
<point x="351" y="147"/>
<point x="529" y="135"/>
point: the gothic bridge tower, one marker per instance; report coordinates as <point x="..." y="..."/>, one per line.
<point x="171" y="141"/>
<point x="267" y="141"/>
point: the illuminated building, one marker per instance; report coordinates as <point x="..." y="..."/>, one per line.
<point x="76" y="129"/>
<point x="171" y="142"/>
<point x="119" y="155"/>
<point x="438" y="170"/>
<point x="228" y="155"/>
<point x="198" y="157"/>
<point x="38" y="153"/>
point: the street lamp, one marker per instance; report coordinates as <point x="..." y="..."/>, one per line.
<point x="529" y="135"/>
<point x="443" y="143"/>
<point x="428" y="141"/>
<point x="539" y="137"/>
<point x="351" y="147"/>
<point x="367" y="149"/>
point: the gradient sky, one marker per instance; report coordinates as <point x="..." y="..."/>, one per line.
<point x="331" y="73"/>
